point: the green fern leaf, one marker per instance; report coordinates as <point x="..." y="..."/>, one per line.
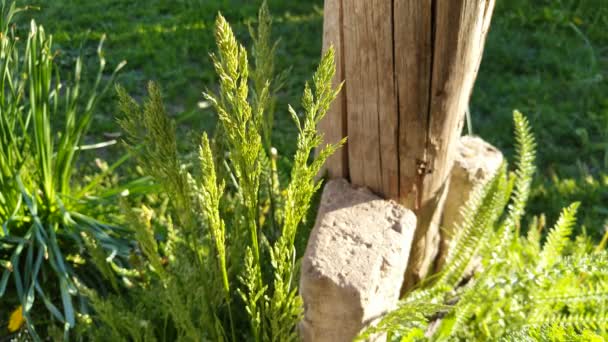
<point x="558" y="236"/>
<point x="525" y="146"/>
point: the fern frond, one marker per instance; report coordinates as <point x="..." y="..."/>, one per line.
<point x="595" y="265"/>
<point x="525" y="146"/>
<point x="594" y="294"/>
<point x="558" y="236"/>
<point x="404" y="319"/>
<point x="524" y="293"/>
<point x="580" y="321"/>
<point x="461" y="315"/>
<point x="484" y="206"/>
<point x="534" y="232"/>
<point x="550" y="332"/>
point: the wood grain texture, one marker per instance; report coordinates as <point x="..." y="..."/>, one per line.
<point x="457" y="53"/>
<point x="371" y="99"/>
<point x="413" y="62"/>
<point x="458" y="40"/>
<point x="333" y="125"/>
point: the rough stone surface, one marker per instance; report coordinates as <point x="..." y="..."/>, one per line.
<point x="354" y="263"/>
<point x="475" y="163"/>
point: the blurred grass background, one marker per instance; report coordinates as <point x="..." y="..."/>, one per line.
<point x="547" y="58"/>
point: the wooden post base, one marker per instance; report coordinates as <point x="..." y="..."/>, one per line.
<point x="409" y="68"/>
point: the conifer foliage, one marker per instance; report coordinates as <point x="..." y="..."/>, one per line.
<point x="226" y="268"/>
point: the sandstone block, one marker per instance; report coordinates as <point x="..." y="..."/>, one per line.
<point x="354" y="263"/>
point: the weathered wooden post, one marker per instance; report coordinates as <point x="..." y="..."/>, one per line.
<point x="409" y="67"/>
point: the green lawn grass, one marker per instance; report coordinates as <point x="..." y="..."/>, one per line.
<point x="547" y="58"/>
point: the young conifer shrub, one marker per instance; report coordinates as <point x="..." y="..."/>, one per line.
<point x="526" y="289"/>
<point x="225" y="267"/>
<point x="50" y="237"/>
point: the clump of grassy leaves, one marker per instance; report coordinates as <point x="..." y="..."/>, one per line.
<point x="50" y="238"/>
